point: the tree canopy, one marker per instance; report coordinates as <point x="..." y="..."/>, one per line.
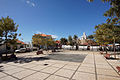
<point x="70" y="40"/>
<point x="63" y="41"/>
<point x="113" y="13"/>
<point x="107" y="33"/>
<point x="8" y="30"/>
<point x="39" y="40"/>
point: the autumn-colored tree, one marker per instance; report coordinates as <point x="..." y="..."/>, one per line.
<point x="39" y="40"/>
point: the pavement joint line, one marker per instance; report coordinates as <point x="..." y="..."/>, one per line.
<point x="34" y="72"/>
<point x="110" y="75"/>
<point x="30" y="69"/>
<point x="28" y="75"/>
<point x="62" y="76"/>
<point x="69" y="69"/>
<point x="16" y="72"/>
<point x="54" y="72"/>
<point x="77" y="69"/>
<point x="95" y="66"/>
<point x="3" y="76"/>
<point x="10" y="75"/>
<point x="111" y="66"/>
<point x="74" y="72"/>
<point x="86" y="72"/>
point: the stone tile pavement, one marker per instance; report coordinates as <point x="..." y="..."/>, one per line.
<point x="93" y="67"/>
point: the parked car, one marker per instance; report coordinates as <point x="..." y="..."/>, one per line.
<point x="28" y="49"/>
<point x="21" y="50"/>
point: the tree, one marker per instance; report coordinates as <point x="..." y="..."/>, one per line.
<point x="91" y="37"/>
<point x="75" y="37"/>
<point x="37" y="40"/>
<point x="8" y="31"/>
<point x="112" y="25"/>
<point x="63" y="41"/>
<point x="70" y="40"/>
<point x="42" y="41"/>
<point x="113" y="13"/>
<point x="91" y="40"/>
<point x="107" y="34"/>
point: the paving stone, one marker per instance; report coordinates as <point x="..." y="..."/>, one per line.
<point x="37" y="76"/>
<point x="38" y="67"/>
<point x="8" y="78"/>
<point x="23" y="74"/>
<point x="50" y="70"/>
<point x="83" y="76"/>
<point x="8" y="67"/>
<point x="12" y="71"/>
<point x="103" y="67"/>
<point x="74" y="63"/>
<point x="72" y="67"/>
<point x="102" y="77"/>
<point x="53" y="77"/>
<point x="58" y="65"/>
<point x="2" y="74"/>
<point x="86" y="69"/>
<point x="65" y="73"/>
<point x="107" y="72"/>
<point x="29" y="65"/>
<point x="87" y="65"/>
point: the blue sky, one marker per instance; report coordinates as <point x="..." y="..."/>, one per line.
<point x="60" y="18"/>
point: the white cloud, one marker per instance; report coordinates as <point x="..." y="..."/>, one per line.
<point x="27" y="2"/>
<point x="33" y="4"/>
<point x="38" y="32"/>
<point x="54" y="36"/>
<point x="30" y="3"/>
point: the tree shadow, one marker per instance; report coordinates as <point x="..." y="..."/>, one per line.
<point x="55" y="56"/>
<point x="112" y="58"/>
<point x="67" y="57"/>
<point x="22" y="60"/>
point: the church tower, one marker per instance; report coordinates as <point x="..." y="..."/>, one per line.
<point x="84" y="37"/>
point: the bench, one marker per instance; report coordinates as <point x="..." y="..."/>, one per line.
<point x="118" y="68"/>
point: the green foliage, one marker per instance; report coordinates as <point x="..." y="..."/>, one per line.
<point x="107" y="33"/>
<point x="113" y="13"/>
<point x="75" y="37"/>
<point x="91" y="37"/>
<point x="63" y="41"/>
<point x="70" y="40"/>
<point x="39" y="40"/>
<point x="8" y="30"/>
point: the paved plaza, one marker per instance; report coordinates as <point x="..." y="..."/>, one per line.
<point x="67" y="65"/>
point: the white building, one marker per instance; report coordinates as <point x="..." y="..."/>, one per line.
<point x="83" y="38"/>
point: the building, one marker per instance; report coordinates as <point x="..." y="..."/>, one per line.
<point x="83" y="39"/>
<point x="44" y="35"/>
<point x="3" y="48"/>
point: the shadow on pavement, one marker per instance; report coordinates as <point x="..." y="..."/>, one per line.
<point x="67" y="57"/>
<point x="55" y="56"/>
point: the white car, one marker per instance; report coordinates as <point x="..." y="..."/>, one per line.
<point x="21" y="50"/>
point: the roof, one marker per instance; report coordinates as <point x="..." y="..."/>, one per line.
<point x="44" y="35"/>
<point x="21" y="42"/>
<point x="57" y="41"/>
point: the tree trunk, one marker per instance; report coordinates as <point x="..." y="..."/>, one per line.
<point x="6" y="43"/>
<point x="106" y="49"/>
<point x="114" y="48"/>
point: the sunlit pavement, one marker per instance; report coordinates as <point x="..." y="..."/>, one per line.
<point x="67" y="65"/>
